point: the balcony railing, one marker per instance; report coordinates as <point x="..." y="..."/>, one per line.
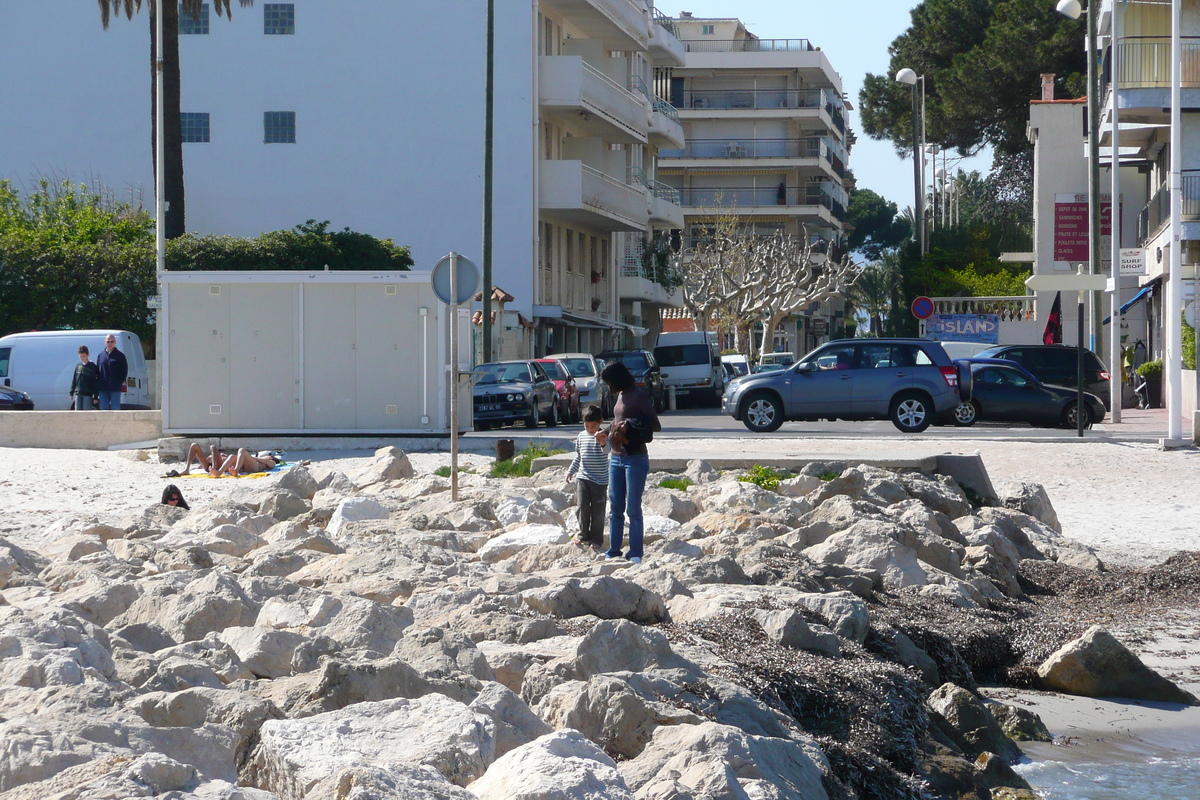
<point x="747" y="45"/>
<point x="597" y="84"/>
<point x="762" y="99"/>
<point x="1009" y="309"/>
<point x="635" y="264"/>
<point x="667" y="23"/>
<point x="1145" y="62"/>
<point x="1158" y="210"/>
<point x="638" y="84"/>
<point x="637" y="177"/>
<point x="809" y="147"/>
<point x="760" y="196"/>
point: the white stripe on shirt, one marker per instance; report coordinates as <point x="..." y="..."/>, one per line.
<point x="591" y="457"/>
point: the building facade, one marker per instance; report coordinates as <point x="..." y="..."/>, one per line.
<point x="767" y="146"/>
<point x="373" y="118"/>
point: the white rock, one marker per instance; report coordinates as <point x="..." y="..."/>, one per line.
<point x="265" y="651"/>
<point x="389" y="464"/>
<point x="509" y="544"/>
<point x="355" y="509"/>
<point x="294" y="755"/>
<point x="562" y="765"/>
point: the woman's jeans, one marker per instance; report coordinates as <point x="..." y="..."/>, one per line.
<point x="626" y="482"/>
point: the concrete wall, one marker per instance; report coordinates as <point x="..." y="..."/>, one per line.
<point x="78" y="430"/>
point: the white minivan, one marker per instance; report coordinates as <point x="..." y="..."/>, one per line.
<point x="691" y="362"/>
<point x="41" y="363"/>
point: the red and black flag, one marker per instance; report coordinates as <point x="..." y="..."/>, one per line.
<point x="1053" y="332"/>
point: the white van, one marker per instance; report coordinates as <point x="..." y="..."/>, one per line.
<point x="691" y="362"/>
<point x="41" y="363"/>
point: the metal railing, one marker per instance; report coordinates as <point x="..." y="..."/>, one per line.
<point x="1145" y="62"/>
<point x="759" y="98"/>
<point x="747" y="45"/>
<point x="759" y="196"/>
<point x="637" y="176"/>
<point x="1157" y="212"/>
<point x="810" y="147"/>
<point x="604" y="191"/>
<point x="634" y="264"/>
<point x="638" y="84"/>
<point x="603" y="84"/>
<point x="666" y="23"/>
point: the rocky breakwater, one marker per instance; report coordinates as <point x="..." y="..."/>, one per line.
<point x="361" y="636"/>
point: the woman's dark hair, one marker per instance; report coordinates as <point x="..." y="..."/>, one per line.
<point x="617" y="376"/>
<point x="173" y="491"/>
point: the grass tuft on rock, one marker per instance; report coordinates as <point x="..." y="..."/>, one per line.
<point x="763" y="476"/>
<point x="675" y="483"/>
<point x="519" y="465"/>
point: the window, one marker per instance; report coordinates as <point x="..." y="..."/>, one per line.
<point x="194" y="125"/>
<point x="189" y="25"/>
<point x="4" y="358"/>
<point x="279" y="19"/>
<point x="279" y="127"/>
<point x="708" y="30"/>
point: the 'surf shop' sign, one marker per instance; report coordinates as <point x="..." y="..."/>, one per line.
<point x="1071" y="227"/>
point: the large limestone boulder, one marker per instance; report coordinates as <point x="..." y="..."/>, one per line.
<point x="395" y="782"/>
<point x="607" y="711"/>
<point x="266" y="652"/>
<point x="562" y="765"/>
<point x="210" y="603"/>
<point x="293" y="755"/>
<point x="516" y="724"/>
<point x="1097" y="665"/>
<point x="389" y="464"/>
<point x="712" y="760"/>
<point x="299" y="480"/>
<point x="355" y="509"/>
<point x="875" y="545"/>
<point x="974" y="728"/>
<point x="509" y="544"/>
<point x="440" y="653"/>
<point x="1030" y="498"/>
<point x="335" y="683"/>
<point x="670" y="503"/>
<point x="606" y="597"/>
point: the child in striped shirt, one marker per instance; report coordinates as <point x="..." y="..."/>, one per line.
<point x="591" y="490"/>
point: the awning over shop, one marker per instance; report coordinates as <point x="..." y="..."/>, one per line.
<point x="580" y="320"/>
<point x="1142" y="294"/>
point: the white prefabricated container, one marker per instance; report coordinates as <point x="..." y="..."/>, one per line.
<point x="291" y="352"/>
<point x="41" y="364"/>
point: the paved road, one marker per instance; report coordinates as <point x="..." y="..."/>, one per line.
<point x="1137" y="426"/>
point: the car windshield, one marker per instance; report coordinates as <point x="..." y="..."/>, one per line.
<point x="634" y="360"/>
<point x="502" y="373"/>
<point x="555" y="370"/>
<point x="678" y="355"/>
<point x="579" y="367"/>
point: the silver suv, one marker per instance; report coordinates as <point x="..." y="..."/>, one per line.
<point x="909" y="381"/>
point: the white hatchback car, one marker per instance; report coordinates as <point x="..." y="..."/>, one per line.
<point x="585" y="369"/>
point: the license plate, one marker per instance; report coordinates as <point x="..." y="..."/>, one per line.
<point x="682" y="391"/>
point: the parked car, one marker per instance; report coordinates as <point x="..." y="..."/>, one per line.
<point x="645" y="371"/>
<point x="564" y="385"/>
<point x="1004" y="391"/>
<point x="512" y="391"/>
<point x="585" y="369"/>
<point x="14" y="400"/>
<point x="691" y="362"/>
<point x="776" y="360"/>
<point x="1057" y="365"/>
<point x="909" y="381"/>
<point x="735" y="365"/>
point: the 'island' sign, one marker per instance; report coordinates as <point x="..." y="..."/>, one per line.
<point x="979" y="328"/>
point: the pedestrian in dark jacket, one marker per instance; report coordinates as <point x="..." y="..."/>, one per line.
<point x="85" y="383"/>
<point x="114" y="369"/>
<point x="634" y="424"/>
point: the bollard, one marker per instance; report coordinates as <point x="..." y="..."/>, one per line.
<point x="671" y="397"/>
<point x="505" y="449"/>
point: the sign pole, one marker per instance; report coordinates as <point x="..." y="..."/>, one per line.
<point x="454" y="377"/>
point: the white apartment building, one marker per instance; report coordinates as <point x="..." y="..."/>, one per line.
<point x="767" y="144"/>
<point x="371" y="115"/>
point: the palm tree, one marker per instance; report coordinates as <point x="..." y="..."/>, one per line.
<point x="172" y="133"/>
<point x="873" y="292"/>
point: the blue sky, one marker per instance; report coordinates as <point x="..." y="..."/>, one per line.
<point x="855" y="35"/>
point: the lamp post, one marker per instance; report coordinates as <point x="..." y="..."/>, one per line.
<point x="1114" y="334"/>
<point x="1173" y="362"/>
<point x="910" y="78"/>
<point x="1072" y="9"/>
<point x="488" y="122"/>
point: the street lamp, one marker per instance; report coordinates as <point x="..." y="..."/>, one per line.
<point x="910" y="78"/>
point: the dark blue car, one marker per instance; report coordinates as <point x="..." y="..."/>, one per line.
<point x="1004" y="391"/>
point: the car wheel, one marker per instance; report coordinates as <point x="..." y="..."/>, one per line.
<point x="911" y="412"/>
<point x="966" y="414"/>
<point x="552" y="420"/>
<point x="534" y="417"/>
<point x="762" y="413"/>
<point x="1070" y="419"/>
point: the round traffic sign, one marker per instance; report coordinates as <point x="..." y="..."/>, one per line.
<point x="922" y="307"/>
<point x="467" y="279"/>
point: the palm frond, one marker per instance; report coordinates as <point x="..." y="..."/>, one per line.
<point x="109" y="7"/>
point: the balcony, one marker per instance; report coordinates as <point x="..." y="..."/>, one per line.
<point x="766" y="200"/>
<point x="665" y="127"/>
<point x="748" y="45"/>
<point x="779" y="153"/>
<point x="1158" y="211"/>
<point x="579" y="194"/>
<point x="621" y="24"/>
<point x="1144" y="72"/>
<point x="665" y="209"/>
<point x="666" y="49"/>
<point x="645" y="279"/>
<point x="595" y="102"/>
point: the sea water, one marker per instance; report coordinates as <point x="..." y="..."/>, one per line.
<point x="1150" y="779"/>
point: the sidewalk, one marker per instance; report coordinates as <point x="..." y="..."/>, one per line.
<point x="1149" y="422"/>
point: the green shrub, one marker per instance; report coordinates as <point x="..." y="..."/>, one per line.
<point x="519" y="465"/>
<point x="1151" y="368"/>
<point x="675" y="483"/>
<point x="444" y="472"/>
<point x="1188" y="341"/>
<point x="765" y="477"/>
<point x="828" y="476"/>
<point x="309" y="248"/>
